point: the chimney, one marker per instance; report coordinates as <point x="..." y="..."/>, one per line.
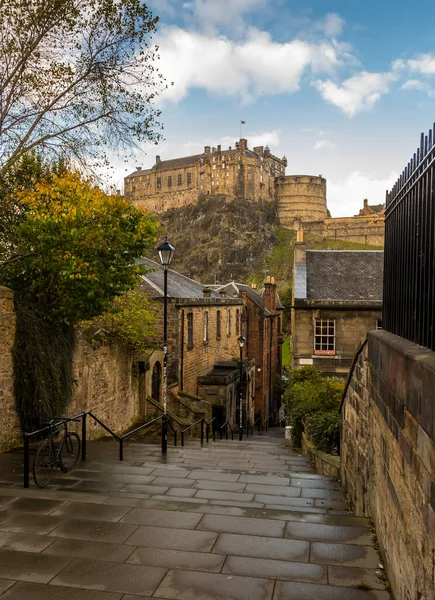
<point x="300" y="268"/>
<point x="214" y="149"/>
<point x="243" y="144"/>
<point x="229" y="148"/>
<point x="158" y="160"/>
<point x="300" y="234"/>
<point x="206" y="292"/>
<point x="366" y="203"/>
<point x="138" y="168"/>
<point x="219" y="148"/>
<point x="223" y="293"/>
<point x="270" y="293"/>
<point x="206" y="149"/>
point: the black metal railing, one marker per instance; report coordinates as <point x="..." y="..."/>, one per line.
<point x="409" y="258"/>
<point x="249" y="428"/>
<point x="223" y="430"/>
<point x="83" y="418"/>
<point x="258" y="424"/>
<point x="205" y="430"/>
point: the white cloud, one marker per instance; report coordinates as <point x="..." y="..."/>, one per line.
<point x="213" y="16"/>
<point x="357" y="93"/>
<point x="418" y="86"/>
<point x="257" y="65"/>
<point x="345" y="197"/>
<point x="332" y="25"/>
<point x="424" y="64"/>
<point x="323" y="144"/>
<point x="262" y="138"/>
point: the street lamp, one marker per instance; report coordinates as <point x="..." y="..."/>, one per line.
<point x="166" y="252"/>
<point x="241" y="340"/>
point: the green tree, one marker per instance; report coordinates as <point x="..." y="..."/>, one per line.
<point x="78" y="247"/>
<point x="76" y="77"/>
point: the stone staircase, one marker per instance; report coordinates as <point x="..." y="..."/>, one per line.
<point x="246" y="520"/>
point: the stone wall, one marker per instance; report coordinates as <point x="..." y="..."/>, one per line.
<point x="388" y="456"/>
<point x="10" y="432"/>
<point x="360" y="229"/>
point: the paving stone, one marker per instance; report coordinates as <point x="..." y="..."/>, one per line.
<point x="227" y="524"/>
<point x="184" y="492"/>
<point x="218" y="509"/>
<point x="171" y="472"/>
<point x="315" y="483"/>
<point x="5" y="585"/>
<point x="175" y="539"/>
<point x="87" y="475"/>
<point x="111" y="577"/>
<point x="215" y="495"/>
<point x="213" y="476"/>
<point x="145" y="489"/>
<point x="23" y="542"/>
<point x="265" y="479"/>
<point x="28" y="523"/>
<point x="172" y="481"/>
<point x="284" y="500"/>
<point x="330" y="503"/>
<point x="6" y="500"/>
<point x="329" y="533"/>
<point x="262" y="547"/>
<point x="222" y="486"/>
<point x="321" y="518"/>
<point x="158" y="497"/>
<point x="295" y="509"/>
<point x="274" y="490"/>
<point x="311" y="475"/>
<point x="276" y="569"/>
<point x="352" y="577"/>
<point x="176" y="559"/>
<point x="318" y="493"/>
<point x="344" y="555"/>
<point x="99" y="512"/>
<point x="130" y="478"/>
<point x="307" y="591"/>
<point x="129" y="470"/>
<point x="85" y="549"/>
<point x="98" y="531"/>
<point x="163" y="518"/>
<point x="193" y="585"/>
<point x="95" y="487"/>
<point x="40" y="506"/>
<point x="26" y="566"/>
<point x="237" y="504"/>
<point x="34" y="591"/>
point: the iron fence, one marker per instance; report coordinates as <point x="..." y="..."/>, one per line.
<point x="409" y="275"/>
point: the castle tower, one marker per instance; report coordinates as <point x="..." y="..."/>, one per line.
<point x="301" y="198"/>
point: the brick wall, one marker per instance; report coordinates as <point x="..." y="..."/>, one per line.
<point x="388" y="457"/>
<point x="10" y="432"/>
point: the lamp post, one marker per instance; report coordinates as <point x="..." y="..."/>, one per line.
<point x="166" y="252"/>
<point x="241" y="340"/>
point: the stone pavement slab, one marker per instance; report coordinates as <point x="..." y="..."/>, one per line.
<point x="344" y="555"/>
<point x="328" y="533"/>
<point x="4" y="585"/>
<point x="177" y="559"/>
<point x="353" y="577"/>
<point x="29" y="523"/>
<point x="94" y="531"/>
<point x="97" y="512"/>
<point x="111" y="577"/>
<point x="162" y="518"/>
<point x="26" y="566"/>
<point x="276" y="569"/>
<point x="263" y="527"/>
<point x="307" y="591"/>
<point x="161" y="537"/>
<point x="85" y="549"/>
<point x="23" y="542"/>
<point x="33" y="591"/>
<point x="42" y="506"/>
<point x="262" y="547"/>
<point x="192" y="585"/>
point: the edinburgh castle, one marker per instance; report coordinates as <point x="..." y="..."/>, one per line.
<point x="252" y="175"/>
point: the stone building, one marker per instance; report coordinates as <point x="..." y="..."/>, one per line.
<point x="262" y="327"/>
<point x="255" y="174"/>
<point x="337" y="299"/>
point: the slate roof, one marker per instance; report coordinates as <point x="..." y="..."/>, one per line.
<point x="179" y="286"/>
<point x="352" y="275"/>
<point x="233" y="289"/>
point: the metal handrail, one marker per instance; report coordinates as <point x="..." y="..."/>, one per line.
<point x="207" y="426"/>
<point x="227" y="425"/>
<point x="83" y="416"/>
<point x="257" y="423"/>
<point x="249" y="426"/>
<point x="202" y="421"/>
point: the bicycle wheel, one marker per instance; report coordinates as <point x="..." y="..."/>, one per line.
<point x="43" y="465"/>
<point x="69" y="451"/>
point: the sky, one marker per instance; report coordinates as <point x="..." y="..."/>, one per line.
<point x="342" y="89"/>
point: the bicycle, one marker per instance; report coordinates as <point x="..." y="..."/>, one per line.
<point x="64" y="456"/>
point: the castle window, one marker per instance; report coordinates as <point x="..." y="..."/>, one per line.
<point x="237" y="322"/>
<point x="324" y="336"/>
<point x="190" y="330"/>
<point x="170" y="181"/>
<point x="205" y="329"/>
<point x="223" y="165"/>
<point x="228" y="323"/>
<point x="189" y="178"/>
<point x="179" y="179"/>
<point x="218" y="325"/>
<point x="159" y="183"/>
<point x="214" y="166"/>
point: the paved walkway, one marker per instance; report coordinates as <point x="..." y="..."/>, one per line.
<point x="232" y="520"/>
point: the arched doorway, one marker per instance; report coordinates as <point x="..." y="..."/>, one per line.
<point x="156" y="382"/>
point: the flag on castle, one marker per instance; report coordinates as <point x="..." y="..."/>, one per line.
<point x="243" y="122"/>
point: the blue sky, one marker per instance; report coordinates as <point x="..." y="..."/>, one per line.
<point x="343" y="88"/>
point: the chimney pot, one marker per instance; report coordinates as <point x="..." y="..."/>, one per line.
<point x="207" y="150"/>
<point x="366" y="202"/>
<point x="223" y="293"/>
<point x="138" y="168"/>
<point x="206" y="292"/>
<point x="158" y="160"/>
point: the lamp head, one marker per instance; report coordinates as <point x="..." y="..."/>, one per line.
<point x="241" y="340"/>
<point x="166" y="252"/>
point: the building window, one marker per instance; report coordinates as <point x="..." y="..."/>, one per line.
<point x="237" y="322"/>
<point x="379" y="324"/>
<point x="228" y="323"/>
<point x="159" y="183"/>
<point x="205" y="331"/>
<point x="324" y="336"/>
<point x="218" y="325"/>
<point x="170" y="181"/>
<point x="279" y="324"/>
<point x="189" y="178"/>
<point x="190" y="330"/>
<point x="179" y="179"/>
